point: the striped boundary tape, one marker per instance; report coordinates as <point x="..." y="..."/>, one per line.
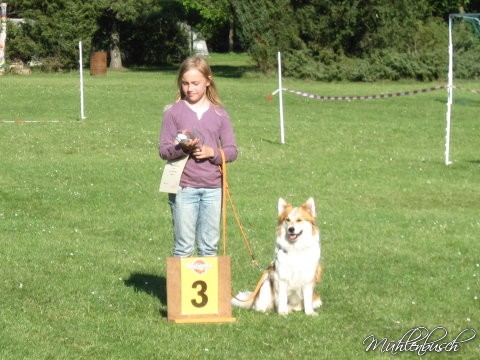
<point x="468" y="90"/>
<point x="29" y="121"/>
<point x="370" y="97"/>
<point x="367" y="97"/>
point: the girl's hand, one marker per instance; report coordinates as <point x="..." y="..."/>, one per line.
<point x="189" y="146"/>
<point x="203" y="152"/>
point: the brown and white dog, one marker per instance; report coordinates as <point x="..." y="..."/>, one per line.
<point x="289" y="284"/>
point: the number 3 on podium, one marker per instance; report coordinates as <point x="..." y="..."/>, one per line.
<point x="199" y="286"/>
<point x="201" y="293"/>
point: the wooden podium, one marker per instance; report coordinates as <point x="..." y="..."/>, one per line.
<point x="199" y="290"/>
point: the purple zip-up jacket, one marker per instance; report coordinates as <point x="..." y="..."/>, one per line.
<point x="215" y="125"/>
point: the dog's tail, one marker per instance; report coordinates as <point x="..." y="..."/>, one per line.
<point x="243" y="300"/>
<point x="317" y="301"/>
<point x="246" y="299"/>
<point x="319" y="273"/>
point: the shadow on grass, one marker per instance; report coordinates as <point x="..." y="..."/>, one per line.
<point x="229" y="71"/>
<point x="273" y="142"/>
<point x="151" y="284"/>
<point x="459" y="101"/>
<point x="172" y="69"/>
<point x="226" y="71"/>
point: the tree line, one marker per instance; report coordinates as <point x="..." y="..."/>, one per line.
<point x="358" y="40"/>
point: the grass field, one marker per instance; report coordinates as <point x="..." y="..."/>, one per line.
<point x="84" y="233"/>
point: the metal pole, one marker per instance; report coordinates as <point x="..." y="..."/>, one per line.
<point x="280" y="97"/>
<point x="450" y="90"/>
<point x="3" y="37"/>
<point x="82" y="111"/>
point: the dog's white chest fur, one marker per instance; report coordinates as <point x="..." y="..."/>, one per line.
<point x="297" y="267"/>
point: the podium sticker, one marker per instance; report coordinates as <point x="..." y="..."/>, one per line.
<point x="199" y="285"/>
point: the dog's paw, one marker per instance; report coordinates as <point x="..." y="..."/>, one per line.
<point x="317" y="303"/>
<point x="310" y="312"/>
<point x="283" y="312"/>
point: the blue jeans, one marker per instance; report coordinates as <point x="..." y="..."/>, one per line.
<point x="196" y="214"/>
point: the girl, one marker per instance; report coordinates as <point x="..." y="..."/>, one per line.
<point x="199" y="116"/>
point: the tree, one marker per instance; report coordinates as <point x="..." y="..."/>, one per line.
<point x="113" y="13"/>
<point x="319" y="39"/>
<point x="155" y="39"/>
<point x="215" y="14"/>
<point x="51" y="30"/>
<point x="266" y="28"/>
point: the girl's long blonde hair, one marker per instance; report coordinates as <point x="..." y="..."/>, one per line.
<point x="199" y="63"/>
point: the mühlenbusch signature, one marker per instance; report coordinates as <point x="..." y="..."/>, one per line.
<point x="420" y="340"/>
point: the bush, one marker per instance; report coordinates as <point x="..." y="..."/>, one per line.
<point x="336" y="44"/>
<point x="466" y="51"/>
<point x="19" y="45"/>
<point x="428" y="63"/>
<point x="170" y="45"/>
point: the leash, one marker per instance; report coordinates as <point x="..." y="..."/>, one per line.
<point x="257" y="288"/>
<point x="226" y="194"/>
<point x="223" y="170"/>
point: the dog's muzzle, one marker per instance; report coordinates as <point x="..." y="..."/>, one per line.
<point x="292" y="235"/>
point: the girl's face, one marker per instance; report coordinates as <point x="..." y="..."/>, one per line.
<point x="194" y="86"/>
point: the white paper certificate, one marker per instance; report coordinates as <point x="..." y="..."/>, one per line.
<point x="170" y="182"/>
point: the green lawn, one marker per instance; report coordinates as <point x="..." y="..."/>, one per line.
<point x="84" y="233"/>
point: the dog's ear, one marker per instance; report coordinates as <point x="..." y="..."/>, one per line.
<point x="282" y="204"/>
<point x="310" y="206"/>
